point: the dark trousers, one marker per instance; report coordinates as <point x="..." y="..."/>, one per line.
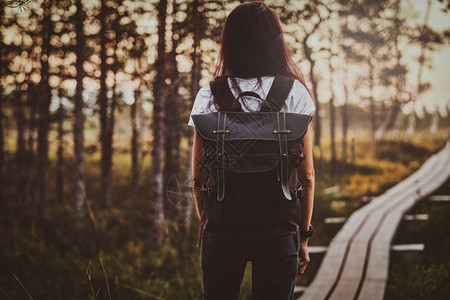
<point x="274" y="267"/>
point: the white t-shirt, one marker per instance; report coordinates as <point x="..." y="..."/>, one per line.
<point x="298" y="100"/>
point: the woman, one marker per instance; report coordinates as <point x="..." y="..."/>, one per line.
<point x="252" y="52"/>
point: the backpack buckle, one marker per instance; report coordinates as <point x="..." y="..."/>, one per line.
<point x="282" y="131"/>
<point x="221" y="131"/>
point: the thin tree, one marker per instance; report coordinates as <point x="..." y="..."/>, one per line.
<point x="313" y="15"/>
<point x="369" y="32"/>
<point x="332" y="107"/>
<point x="172" y="111"/>
<point x="136" y="128"/>
<point x="43" y="108"/>
<point x="78" y="122"/>
<point x="424" y="39"/>
<point x="105" y="111"/>
<point x="2" y="72"/>
<point x="156" y="229"/>
<point x="137" y="53"/>
<point x="344" y="114"/>
<point x="198" y="24"/>
<point x="60" y="116"/>
<point x="20" y="153"/>
<point x="395" y="74"/>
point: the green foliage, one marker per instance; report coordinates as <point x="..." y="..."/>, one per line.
<point x="418" y="281"/>
<point x="424" y="276"/>
<point x="400" y="151"/>
<point x="52" y="262"/>
<point x="47" y="272"/>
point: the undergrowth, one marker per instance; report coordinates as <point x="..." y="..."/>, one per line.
<point x="47" y="258"/>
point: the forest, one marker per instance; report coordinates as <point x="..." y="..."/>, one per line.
<point x="95" y="153"/>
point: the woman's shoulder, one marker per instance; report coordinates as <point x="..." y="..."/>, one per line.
<point x="203" y="100"/>
<point x="299" y="86"/>
<point x="300" y="100"/>
<point x="203" y="94"/>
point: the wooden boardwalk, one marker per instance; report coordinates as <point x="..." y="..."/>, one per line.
<point x="356" y="263"/>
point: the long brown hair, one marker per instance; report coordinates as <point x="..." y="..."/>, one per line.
<point x="253" y="45"/>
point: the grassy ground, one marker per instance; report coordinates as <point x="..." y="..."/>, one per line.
<point x="51" y="261"/>
<point x="423" y="275"/>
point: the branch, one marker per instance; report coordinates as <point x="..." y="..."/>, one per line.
<point x="22" y="4"/>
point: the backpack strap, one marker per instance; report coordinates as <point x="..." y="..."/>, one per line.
<point x="282" y="142"/>
<point x="220" y="153"/>
<point x="278" y="93"/>
<point x="223" y="95"/>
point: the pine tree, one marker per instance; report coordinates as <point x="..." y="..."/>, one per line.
<point x="79" y="117"/>
<point x="44" y="100"/>
<point x="156" y="229"/>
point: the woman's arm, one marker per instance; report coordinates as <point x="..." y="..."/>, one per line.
<point x="198" y="175"/>
<point x="305" y="174"/>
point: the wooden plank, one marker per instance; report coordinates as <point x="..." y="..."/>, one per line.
<point x="335" y="220"/>
<point x="317" y="249"/>
<point x="407" y="247"/>
<point x="416" y="217"/>
<point x="357" y="259"/>
<point x="440" y="198"/>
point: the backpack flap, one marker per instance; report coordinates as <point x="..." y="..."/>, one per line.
<point x="250" y="125"/>
<point x="246" y="142"/>
<point x="250" y="145"/>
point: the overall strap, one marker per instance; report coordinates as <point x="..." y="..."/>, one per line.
<point x="278" y="93"/>
<point x="220" y="153"/>
<point x="282" y="142"/>
<point x="223" y="95"/>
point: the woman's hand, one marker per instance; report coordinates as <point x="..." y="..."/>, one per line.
<point x="303" y="259"/>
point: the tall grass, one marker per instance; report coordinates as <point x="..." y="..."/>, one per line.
<point x="111" y="262"/>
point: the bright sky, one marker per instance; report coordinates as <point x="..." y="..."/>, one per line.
<point x="439" y="74"/>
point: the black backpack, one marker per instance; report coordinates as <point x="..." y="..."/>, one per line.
<point x="250" y="159"/>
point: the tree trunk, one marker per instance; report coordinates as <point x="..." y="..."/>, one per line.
<point x="78" y="125"/>
<point x="135" y="139"/>
<point x="111" y="124"/>
<point x="317" y="123"/>
<point x="156" y="229"/>
<point x="33" y="99"/>
<point x="373" y="127"/>
<point x="20" y="140"/>
<point x="419" y="91"/>
<point x="345" y="119"/>
<point x="332" y="112"/>
<point x="172" y="140"/>
<point x="353" y="151"/>
<point x="32" y="103"/>
<point x="60" y="156"/>
<point x="388" y="124"/>
<point x="173" y="209"/>
<point x="195" y="86"/>
<point x="411" y="126"/>
<point x="105" y="180"/>
<point x="397" y="127"/>
<point x="434" y="126"/>
<point x="20" y="163"/>
<point x="2" y="143"/>
<point x="44" y="113"/>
